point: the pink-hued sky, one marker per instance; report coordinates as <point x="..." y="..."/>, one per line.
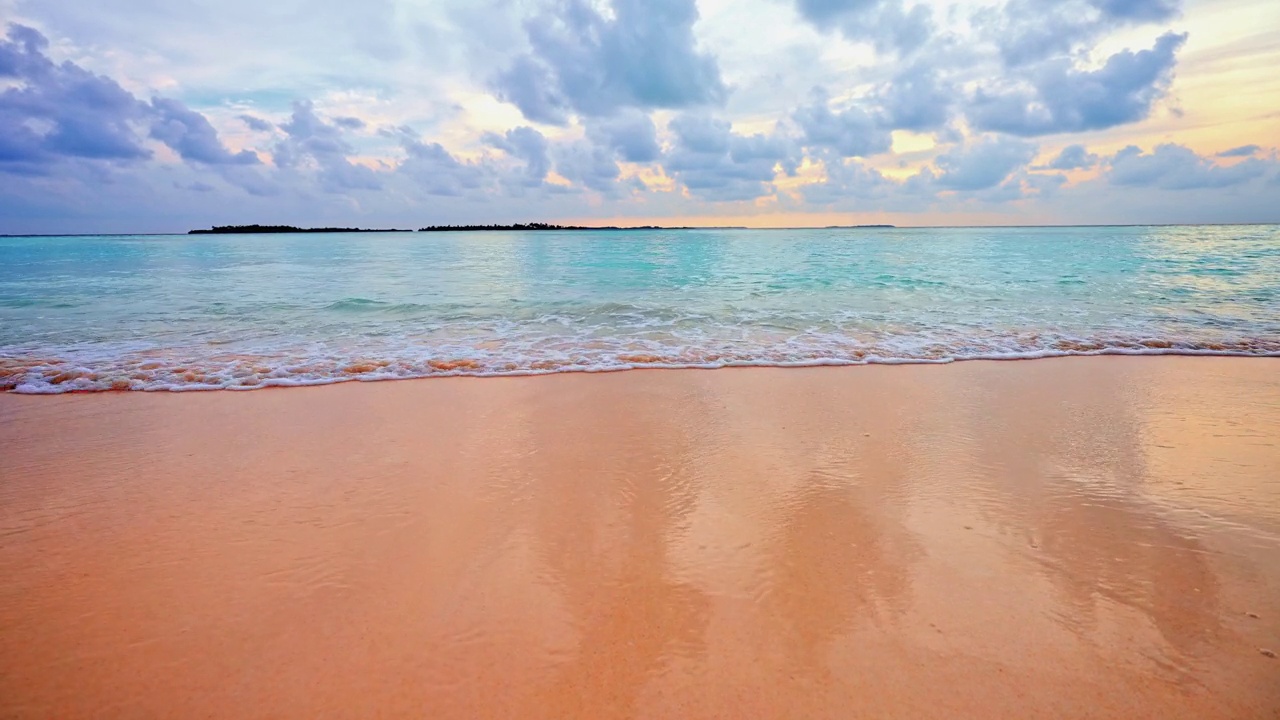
<point x="153" y="116"/>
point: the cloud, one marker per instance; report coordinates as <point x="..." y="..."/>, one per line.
<point x="432" y="169"/>
<point x="191" y="136"/>
<point x="984" y="164"/>
<point x="256" y="124"/>
<point x="1073" y="157"/>
<point x="1175" y="167"/>
<point x="584" y="62"/>
<point x="1028" y="31"/>
<point x="714" y="163"/>
<point x="853" y="132"/>
<point x="309" y="137"/>
<point x="848" y="184"/>
<point x="61" y="111"/>
<point x="589" y="165"/>
<point x="1063" y="99"/>
<point x="1138" y="10"/>
<point x="631" y="134"/>
<point x="1242" y="151"/>
<point x="530" y="146"/>
<point x="916" y="99"/>
<point x="887" y="24"/>
<point x="1045" y="183"/>
<point x="349" y="123"/>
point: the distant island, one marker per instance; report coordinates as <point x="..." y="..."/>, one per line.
<point x="538" y="226"/>
<point x="265" y="229"/>
<point x="518" y="227"/>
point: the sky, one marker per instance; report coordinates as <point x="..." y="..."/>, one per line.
<point x="156" y="116"/>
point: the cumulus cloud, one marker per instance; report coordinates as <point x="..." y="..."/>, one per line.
<point x="714" y="163"/>
<point x="191" y="136"/>
<point x="888" y="24"/>
<point x="984" y="164"/>
<point x="916" y="99"/>
<point x="349" y="123"/>
<point x="51" y="112"/>
<point x="55" y="112"/>
<point x="849" y="184"/>
<point x="310" y="137"/>
<point x="1242" y="151"/>
<point x="1175" y="167"/>
<point x="585" y="62"/>
<point x="528" y="145"/>
<point x="1028" y="31"/>
<point x="75" y="142"/>
<point x="852" y="132"/>
<point x="433" y="169"/>
<point x="631" y="133"/>
<point x="588" y="165"/>
<point x="256" y="124"/>
<point x="1061" y="98"/>
<point x="1073" y="157"/>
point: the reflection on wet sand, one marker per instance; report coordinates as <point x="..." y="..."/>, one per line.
<point x="978" y="540"/>
<point x="1079" y="499"/>
<point x="624" y="483"/>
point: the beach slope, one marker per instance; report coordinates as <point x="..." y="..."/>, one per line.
<point x="1081" y="537"/>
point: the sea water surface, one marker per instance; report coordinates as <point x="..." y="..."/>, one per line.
<point x="249" y="311"/>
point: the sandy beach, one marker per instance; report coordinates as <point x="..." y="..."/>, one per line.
<point x="1082" y="537"/>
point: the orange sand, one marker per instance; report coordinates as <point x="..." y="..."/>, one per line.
<point x="1060" y="539"/>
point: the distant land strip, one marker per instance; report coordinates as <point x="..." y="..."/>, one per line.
<point x="263" y="229"/>
<point x="268" y="229"/>
<point x="539" y="226"/>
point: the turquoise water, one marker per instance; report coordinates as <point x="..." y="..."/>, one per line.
<point x="204" y="312"/>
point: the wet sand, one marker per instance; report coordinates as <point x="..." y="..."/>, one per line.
<point x="1086" y="537"/>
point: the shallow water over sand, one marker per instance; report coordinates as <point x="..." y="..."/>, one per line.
<point x="244" y="312"/>
<point x="1064" y="538"/>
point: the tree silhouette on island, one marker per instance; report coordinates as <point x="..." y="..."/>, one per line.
<point x="519" y="227"/>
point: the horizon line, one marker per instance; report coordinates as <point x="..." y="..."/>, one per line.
<point x="698" y="227"/>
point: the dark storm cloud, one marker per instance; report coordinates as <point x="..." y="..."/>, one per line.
<point x="1063" y="99"/>
<point x="585" y="63"/>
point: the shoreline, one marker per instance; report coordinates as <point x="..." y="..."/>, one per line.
<point x="275" y="383"/>
<point x="990" y="539"/>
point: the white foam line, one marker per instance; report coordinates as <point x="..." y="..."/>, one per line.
<point x="44" y="388"/>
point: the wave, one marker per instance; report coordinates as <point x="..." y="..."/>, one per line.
<point x="159" y="371"/>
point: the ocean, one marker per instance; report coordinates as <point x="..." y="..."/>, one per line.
<point x="93" y="313"/>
